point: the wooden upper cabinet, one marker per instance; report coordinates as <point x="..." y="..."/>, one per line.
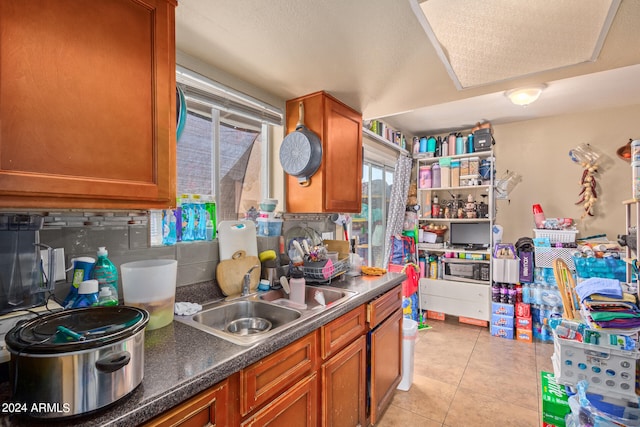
<point x="337" y="185"/>
<point x="87" y="104"/>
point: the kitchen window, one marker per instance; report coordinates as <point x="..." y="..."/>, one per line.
<point x="223" y="148"/>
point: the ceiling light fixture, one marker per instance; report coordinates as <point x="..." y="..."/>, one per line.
<point x="526" y="95"/>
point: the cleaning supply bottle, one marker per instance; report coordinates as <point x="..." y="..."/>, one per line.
<point x="538" y="216"/>
<point x="188" y="218"/>
<point x="200" y="218"/>
<point x="169" y="236"/>
<point x="106" y="297"/>
<point x="177" y="213"/>
<point x="105" y="272"/>
<point x="297" y="287"/>
<point x="210" y="208"/>
<point x="87" y="294"/>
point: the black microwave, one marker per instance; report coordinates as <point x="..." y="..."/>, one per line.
<point x="466" y="270"/>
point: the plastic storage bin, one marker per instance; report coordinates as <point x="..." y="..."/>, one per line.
<point x="608" y="370"/>
<point x="269" y="226"/>
<point x="610" y="268"/>
<point x="409" y="336"/>
<point x="545" y="256"/>
<point x="594" y="410"/>
<point x="556" y="236"/>
<point x="151" y="285"/>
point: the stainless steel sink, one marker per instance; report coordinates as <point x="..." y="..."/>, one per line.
<point x="271" y="310"/>
<point x="331" y="296"/>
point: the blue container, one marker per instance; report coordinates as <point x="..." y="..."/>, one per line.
<point x="269" y="227"/>
<point x="609" y="268"/>
<point x="431" y="144"/>
<point x="470" y="143"/>
<point x="423" y="144"/>
<point x="459" y="145"/>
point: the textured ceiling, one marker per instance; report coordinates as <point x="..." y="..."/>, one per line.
<point x="504" y="39"/>
<point x="375" y="56"/>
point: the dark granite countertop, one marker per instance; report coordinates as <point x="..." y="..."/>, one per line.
<point x="181" y="361"/>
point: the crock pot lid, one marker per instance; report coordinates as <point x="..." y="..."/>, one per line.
<point x="98" y="326"/>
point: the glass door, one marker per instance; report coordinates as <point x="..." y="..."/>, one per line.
<point x="370" y="225"/>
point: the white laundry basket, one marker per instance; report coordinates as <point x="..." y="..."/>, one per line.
<point x="409" y="335"/>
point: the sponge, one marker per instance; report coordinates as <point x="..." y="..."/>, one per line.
<point x="267" y="255"/>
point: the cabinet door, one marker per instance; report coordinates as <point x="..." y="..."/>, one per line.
<point x="343" y="387"/>
<point x="87" y="100"/>
<point x="274" y="374"/>
<point x="336" y="186"/>
<point x="386" y="364"/>
<point x="210" y="408"/>
<point x="297" y="407"/>
<point x="342" y="158"/>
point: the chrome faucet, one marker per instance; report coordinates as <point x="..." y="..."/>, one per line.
<point x="246" y="285"/>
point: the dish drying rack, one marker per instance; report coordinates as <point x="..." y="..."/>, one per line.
<point x="325" y="274"/>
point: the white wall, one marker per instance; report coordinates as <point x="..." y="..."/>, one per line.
<point x="538" y="150"/>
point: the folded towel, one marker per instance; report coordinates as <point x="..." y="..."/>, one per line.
<point x="626" y="297"/>
<point x="599" y="285"/>
<point x="186" y="308"/>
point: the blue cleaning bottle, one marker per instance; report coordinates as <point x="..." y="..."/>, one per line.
<point x="169" y="227"/>
<point x="87" y="294"/>
<point x="188" y="218"/>
<point x="200" y="212"/>
<point x="105" y="272"/>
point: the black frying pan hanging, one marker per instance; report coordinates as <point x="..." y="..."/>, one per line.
<point x="301" y="151"/>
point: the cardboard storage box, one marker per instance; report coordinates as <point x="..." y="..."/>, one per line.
<point x="524" y="323"/>
<point x="502" y="309"/>
<point x="506" y="270"/>
<point x="502" y="321"/>
<point x="525" y="335"/>
<point x="499" y="331"/>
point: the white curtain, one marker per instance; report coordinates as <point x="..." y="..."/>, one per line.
<point x="398" y="202"/>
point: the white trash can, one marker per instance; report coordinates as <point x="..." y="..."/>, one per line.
<point x="409" y="335"/>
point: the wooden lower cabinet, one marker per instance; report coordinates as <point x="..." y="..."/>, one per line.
<point x="263" y="381"/>
<point x="320" y="379"/>
<point x="386" y="364"/>
<point x="209" y="408"/>
<point x="343" y="386"/>
<point x="298" y="406"/>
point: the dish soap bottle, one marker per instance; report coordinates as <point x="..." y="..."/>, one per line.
<point x="106" y="298"/>
<point x="105" y="273"/>
<point x="87" y="294"/>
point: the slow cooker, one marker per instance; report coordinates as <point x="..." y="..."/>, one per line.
<point x="76" y="361"/>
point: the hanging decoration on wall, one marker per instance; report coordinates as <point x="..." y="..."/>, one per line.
<point x="592" y="162"/>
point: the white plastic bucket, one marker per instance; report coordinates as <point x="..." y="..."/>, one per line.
<point x="409" y="335"/>
<point x="151" y="285"/>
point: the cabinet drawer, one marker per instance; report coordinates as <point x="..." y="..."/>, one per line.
<point x="342" y="331"/>
<point x="298" y="406"/>
<point x="474" y="309"/>
<point x="271" y="376"/>
<point x="458" y="290"/>
<point x="381" y="307"/>
<point x="208" y="408"/>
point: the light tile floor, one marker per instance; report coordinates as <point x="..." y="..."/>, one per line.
<point x="465" y="377"/>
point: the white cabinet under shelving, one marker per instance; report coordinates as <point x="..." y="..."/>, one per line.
<point x="466" y="210"/>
